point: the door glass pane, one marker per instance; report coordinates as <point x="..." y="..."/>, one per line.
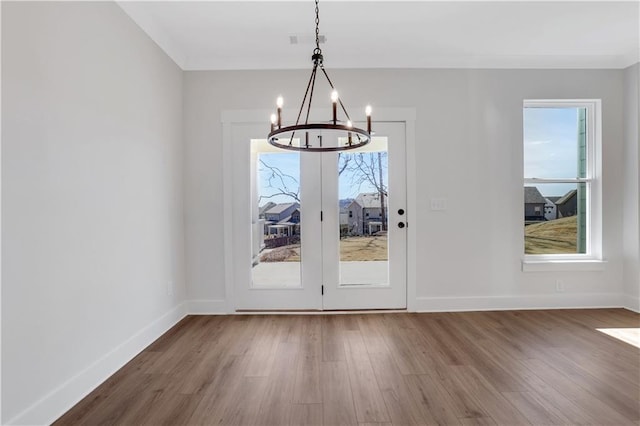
<point x="363" y="203"/>
<point x="276" y="210"/>
<point x="555" y="218"/>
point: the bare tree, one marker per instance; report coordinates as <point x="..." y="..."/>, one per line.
<point x="343" y="162"/>
<point x="283" y="183"/>
<point x="362" y="168"/>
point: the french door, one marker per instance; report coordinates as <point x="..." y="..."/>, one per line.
<point x="319" y="231"/>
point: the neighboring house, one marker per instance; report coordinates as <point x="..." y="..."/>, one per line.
<point x="365" y="214"/>
<point x="263" y="209"/>
<point x="568" y="204"/>
<point x="295" y="216"/>
<point x="534" y="204"/>
<point x="355" y="218"/>
<point x="344" y="211"/>
<point x="550" y="209"/>
<point x="280" y="211"/>
<point x="282" y="220"/>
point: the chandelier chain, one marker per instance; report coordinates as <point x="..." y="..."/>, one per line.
<point x="317" y="26"/>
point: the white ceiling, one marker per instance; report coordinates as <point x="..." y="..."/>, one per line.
<point x="222" y="35"/>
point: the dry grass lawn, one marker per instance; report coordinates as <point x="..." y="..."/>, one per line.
<point x="553" y="237"/>
<point x="351" y="249"/>
<point x="364" y="248"/>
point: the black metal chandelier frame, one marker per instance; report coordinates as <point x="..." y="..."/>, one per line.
<point x="283" y="136"/>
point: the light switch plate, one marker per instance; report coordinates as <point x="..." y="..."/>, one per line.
<point x="438" y="204"/>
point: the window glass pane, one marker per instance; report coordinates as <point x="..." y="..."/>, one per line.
<point x="555" y="218"/>
<point x="554" y="142"/>
<point x="276" y="222"/>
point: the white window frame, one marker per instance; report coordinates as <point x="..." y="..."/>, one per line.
<point x="592" y="259"/>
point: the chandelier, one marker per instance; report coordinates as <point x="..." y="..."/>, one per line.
<point x="331" y="135"/>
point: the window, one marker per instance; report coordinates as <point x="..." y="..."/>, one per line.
<point x="561" y="177"/>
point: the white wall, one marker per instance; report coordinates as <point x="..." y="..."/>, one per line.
<point x="631" y="223"/>
<point x="92" y="204"/>
<point x="469" y="149"/>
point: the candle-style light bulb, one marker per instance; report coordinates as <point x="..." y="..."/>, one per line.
<point x="349" y="125"/>
<point x="274" y="120"/>
<point x="279" y="103"/>
<point x="367" y="111"/>
<point x="334" y="105"/>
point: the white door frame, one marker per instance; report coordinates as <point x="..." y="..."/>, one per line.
<point x="229" y="118"/>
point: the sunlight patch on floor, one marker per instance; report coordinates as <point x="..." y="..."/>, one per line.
<point x="627" y="335"/>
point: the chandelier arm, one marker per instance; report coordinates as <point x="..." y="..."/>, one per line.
<point x="312" y="80"/>
<point x="333" y="88"/>
<point x="313" y="85"/>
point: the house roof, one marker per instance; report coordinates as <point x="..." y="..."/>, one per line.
<point x="279" y="208"/>
<point x="566" y="197"/>
<point x="533" y="196"/>
<point x="263" y="209"/>
<point x="344" y="204"/>
<point x="368" y="200"/>
<point x="553" y="199"/>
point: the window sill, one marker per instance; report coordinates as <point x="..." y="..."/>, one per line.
<point x="563" y="265"/>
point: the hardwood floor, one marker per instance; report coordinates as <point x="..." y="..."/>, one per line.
<point x="508" y="368"/>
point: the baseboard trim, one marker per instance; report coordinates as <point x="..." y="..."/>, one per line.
<point x="60" y="400"/>
<point x="207" y="307"/>
<point x="461" y="304"/>
<point x="632" y="303"/>
<point x="504" y="303"/>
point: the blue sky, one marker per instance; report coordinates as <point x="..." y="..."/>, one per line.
<point x="550" y="146"/>
<point x="289" y="164"/>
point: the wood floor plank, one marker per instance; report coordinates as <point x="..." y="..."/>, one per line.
<point x="535" y="410"/>
<point x="337" y="400"/>
<point x="306" y="415"/>
<point x="622" y="393"/>
<point x="276" y="406"/>
<point x="332" y="340"/>
<point x="368" y="401"/>
<point x="481" y="390"/>
<point x="479" y="421"/>
<point x="588" y="404"/>
<point x="243" y="407"/>
<point x="402" y="349"/>
<point x="307" y="389"/>
<point x="218" y="395"/>
<point x="371" y="328"/>
<point x="435" y="404"/>
<point x="506" y="368"/>
<point x="263" y="350"/>
<point x="402" y="408"/>
<point x="468" y="342"/>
